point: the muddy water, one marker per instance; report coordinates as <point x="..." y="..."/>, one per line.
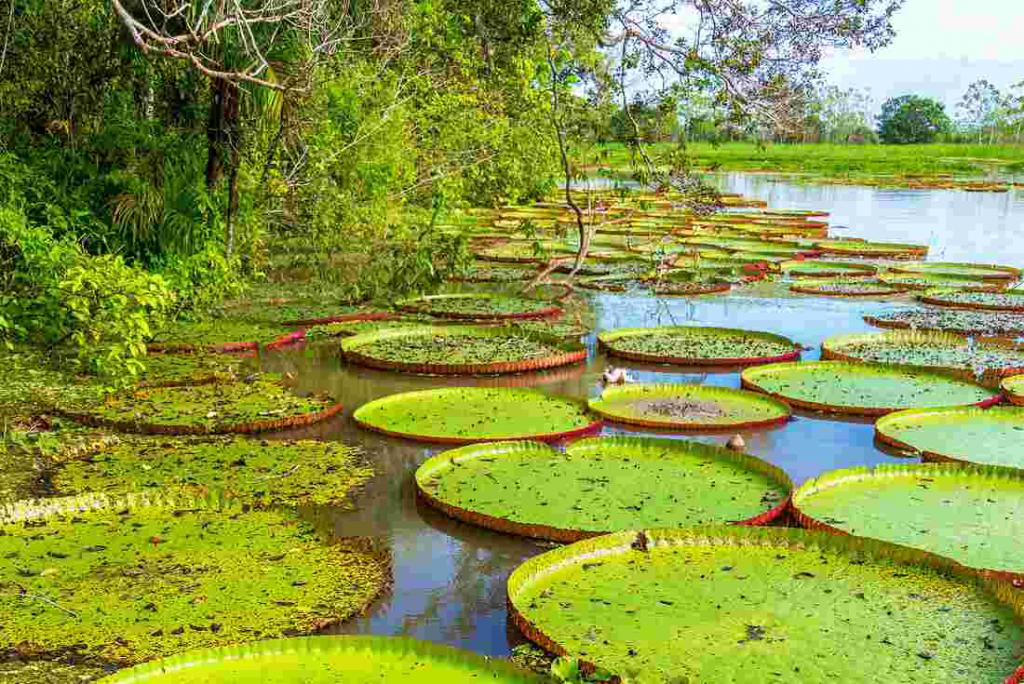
<point x="449" y="578"/>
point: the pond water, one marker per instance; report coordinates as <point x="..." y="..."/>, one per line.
<point x="449" y="578"/>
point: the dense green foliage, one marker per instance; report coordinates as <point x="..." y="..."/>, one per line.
<point x="912" y="119"/>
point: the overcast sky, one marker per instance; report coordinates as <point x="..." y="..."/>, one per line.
<point x="940" y="47"/>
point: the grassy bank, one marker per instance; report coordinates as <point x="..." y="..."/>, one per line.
<point x="842" y="160"/>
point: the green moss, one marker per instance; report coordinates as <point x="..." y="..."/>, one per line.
<point x="128" y="580"/>
<point x="210" y="407"/>
<point x="257" y="472"/>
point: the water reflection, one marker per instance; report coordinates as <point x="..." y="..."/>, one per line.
<point x="449" y="578"/>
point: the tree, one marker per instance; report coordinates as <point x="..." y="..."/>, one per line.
<point x="980" y="109"/>
<point x="912" y="119"/>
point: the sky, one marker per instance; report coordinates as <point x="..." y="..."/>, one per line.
<point x="940" y="47"/>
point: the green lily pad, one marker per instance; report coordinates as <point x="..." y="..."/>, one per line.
<point x="692" y="345"/>
<point x="861" y="388"/>
<point x="601" y="485"/>
<point x="968" y="513"/>
<point x="259" y="404"/>
<point x="327" y="660"/>
<point x="257" y="472"/>
<point x="743" y="605"/>
<point x="923" y="349"/>
<point x="32" y="382"/>
<point x="846" y="289"/>
<point x="1014" y="389"/>
<point x="1011" y="300"/>
<point x="459" y="415"/>
<point x="924" y="281"/>
<point x="461" y="350"/>
<point x="896" y="250"/>
<point x="127" y="579"/>
<point x="689" y="407"/>
<point x="993" y="436"/>
<point x="498" y="274"/>
<point x="691" y="289"/>
<point x="349" y="328"/>
<point x="479" y="306"/>
<point x="217" y="334"/>
<point x="809" y="268"/>
<point x="974" y="323"/>
<point x="970" y="271"/>
<point x="189" y="369"/>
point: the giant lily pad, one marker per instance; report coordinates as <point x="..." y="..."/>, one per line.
<point x="847" y="289"/>
<point x="975" y="323"/>
<point x="257" y="472"/>
<point x="689" y="407"/>
<point x="744" y="605"/>
<point x="461" y="351"/>
<point x="928" y="350"/>
<point x="459" y="415"/>
<point x="861" y="388"/>
<point x="601" y="485"/>
<point x="131" y="578"/>
<point x="215" y="335"/>
<point x="1014" y="389"/>
<point x="479" y="306"/>
<point x="327" y="660"/>
<point x="969" y="434"/>
<point x="259" y="405"/>
<point x="864" y="248"/>
<point x="692" y="345"/>
<point x="968" y="513"/>
<point x="925" y="281"/>
<point x="1011" y="300"/>
<point x="962" y="270"/>
<point x="810" y="268"/>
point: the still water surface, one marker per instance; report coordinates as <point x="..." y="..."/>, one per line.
<point x="449" y="578"/>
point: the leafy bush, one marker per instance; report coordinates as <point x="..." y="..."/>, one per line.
<point x="912" y="119"/>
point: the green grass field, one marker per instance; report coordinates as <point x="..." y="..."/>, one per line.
<point x="841" y="160"/>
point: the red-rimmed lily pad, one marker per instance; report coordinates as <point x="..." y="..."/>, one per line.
<point x="479" y="306"/>
<point x="968" y="513"/>
<point x="461" y="350"/>
<point x="895" y="250"/>
<point x="260" y="404"/>
<point x="993" y="436"/>
<point x="693" y="345"/>
<point x="961" y="270"/>
<point x="925" y="281"/>
<point x="975" y="323"/>
<point x="327" y="660"/>
<point x="1010" y="300"/>
<point x="737" y="605"/>
<point x="929" y="349"/>
<point x="847" y="289"/>
<point x="1013" y="387"/>
<point x="689" y="407"/>
<point x="460" y="415"/>
<point x="601" y="485"/>
<point x="861" y="388"/>
<point x="811" y="268"/>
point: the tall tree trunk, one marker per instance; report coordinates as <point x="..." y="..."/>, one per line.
<point x="223" y="145"/>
